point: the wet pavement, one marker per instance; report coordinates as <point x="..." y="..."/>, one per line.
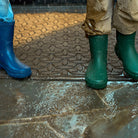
<point x="60" y="109"/>
<point x="55" y="102"/>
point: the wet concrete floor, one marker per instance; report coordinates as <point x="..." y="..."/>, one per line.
<point x="59" y="109"/>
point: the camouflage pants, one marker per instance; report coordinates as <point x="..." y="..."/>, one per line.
<point x="102" y="15"/>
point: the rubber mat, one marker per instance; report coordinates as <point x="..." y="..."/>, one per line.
<point x="51" y="41"/>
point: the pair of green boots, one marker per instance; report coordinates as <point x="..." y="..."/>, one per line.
<point x="96" y="74"/>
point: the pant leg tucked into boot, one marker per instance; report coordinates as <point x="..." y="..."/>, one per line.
<point x="8" y="60"/>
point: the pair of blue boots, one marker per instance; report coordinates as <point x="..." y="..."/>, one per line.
<point x="8" y="60"/>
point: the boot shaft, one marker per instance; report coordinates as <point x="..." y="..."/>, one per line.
<point x="124" y="40"/>
<point x="6" y="35"/>
<point x="6" y="31"/>
<point x="98" y="48"/>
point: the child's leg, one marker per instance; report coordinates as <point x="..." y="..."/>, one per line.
<point x="6" y="13"/>
<point x="126" y="23"/>
<point x="8" y="60"/>
<point x="98" y="17"/>
<point x="97" y="26"/>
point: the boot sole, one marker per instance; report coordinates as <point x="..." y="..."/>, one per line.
<point x="132" y="75"/>
<point x="96" y="85"/>
<point x="16" y="75"/>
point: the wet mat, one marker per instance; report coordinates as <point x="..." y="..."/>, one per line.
<point x="53" y="44"/>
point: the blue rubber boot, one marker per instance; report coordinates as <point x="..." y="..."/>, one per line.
<point x="8" y="60"/>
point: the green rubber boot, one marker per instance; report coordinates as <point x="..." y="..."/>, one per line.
<point x="125" y="50"/>
<point x="96" y="74"/>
